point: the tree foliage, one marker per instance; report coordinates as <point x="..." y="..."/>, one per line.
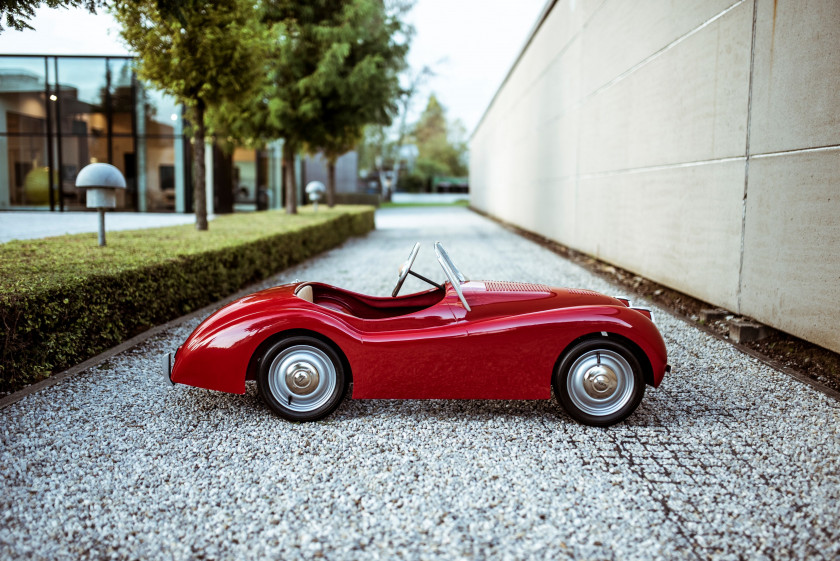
<point x="440" y="145"/>
<point x="204" y="54"/>
<point x="367" y="89"/>
<point x="332" y="68"/>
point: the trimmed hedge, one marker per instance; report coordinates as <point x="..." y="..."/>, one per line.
<point x="65" y="299"/>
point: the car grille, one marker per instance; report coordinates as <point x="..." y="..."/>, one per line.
<point x="582" y="292"/>
<point x="494" y="286"/>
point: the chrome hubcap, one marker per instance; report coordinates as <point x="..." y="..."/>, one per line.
<point x="302" y="378"/>
<point x="600" y="382"/>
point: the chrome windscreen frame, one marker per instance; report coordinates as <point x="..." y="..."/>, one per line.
<point x="441" y="253"/>
<point x="452" y="273"/>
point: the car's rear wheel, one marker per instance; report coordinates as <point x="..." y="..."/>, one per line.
<point x="301" y="378"/>
<point x="599" y="382"/>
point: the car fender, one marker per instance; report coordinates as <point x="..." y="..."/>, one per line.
<point x="217" y="354"/>
<point x="541" y="338"/>
<point x="633" y="326"/>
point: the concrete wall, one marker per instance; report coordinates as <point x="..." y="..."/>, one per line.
<point x="694" y="143"/>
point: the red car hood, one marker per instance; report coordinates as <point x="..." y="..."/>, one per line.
<point x="491" y="297"/>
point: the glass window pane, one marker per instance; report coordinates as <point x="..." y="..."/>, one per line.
<point x="161" y="111"/>
<point x="161" y="169"/>
<point x="244" y="176"/>
<point x="76" y="153"/>
<point x="22" y="85"/>
<point x="82" y="83"/>
<point x="121" y="70"/>
<point x="122" y="102"/>
<point x="160" y="152"/>
<point x="85" y="78"/>
<point x="125" y="158"/>
<point x="26" y="171"/>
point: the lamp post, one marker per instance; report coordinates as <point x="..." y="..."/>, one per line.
<point x="101" y="182"/>
<point x="315" y="189"/>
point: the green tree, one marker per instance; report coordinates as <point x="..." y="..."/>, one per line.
<point x="367" y="88"/>
<point x="204" y="54"/>
<point x="329" y="70"/>
<point x="440" y="145"/>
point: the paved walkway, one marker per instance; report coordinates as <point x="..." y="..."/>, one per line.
<point x="429" y="198"/>
<point x="27" y="225"/>
<point x="728" y="459"/>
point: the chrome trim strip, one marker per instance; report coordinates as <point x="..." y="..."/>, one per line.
<point x="648" y="310"/>
<point x="166" y="367"/>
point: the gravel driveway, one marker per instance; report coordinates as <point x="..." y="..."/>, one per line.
<point x="727" y="459"/>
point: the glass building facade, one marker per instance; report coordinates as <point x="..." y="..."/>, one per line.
<point x="60" y="113"/>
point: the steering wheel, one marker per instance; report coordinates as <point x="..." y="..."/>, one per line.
<point x="405" y="269"/>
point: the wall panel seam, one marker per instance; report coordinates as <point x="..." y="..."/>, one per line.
<point x="828" y="148"/>
<point x="575" y="106"/>
<point x="746" y="161"/>
<point x="645" y="169"/>
<point x="660" y="52"/>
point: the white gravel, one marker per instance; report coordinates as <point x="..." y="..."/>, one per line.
<point x="728" y="459"/>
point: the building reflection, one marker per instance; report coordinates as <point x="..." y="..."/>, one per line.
<point x="60" y="113"/>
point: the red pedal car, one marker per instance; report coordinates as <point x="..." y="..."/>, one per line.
<point x="304" y="343"/>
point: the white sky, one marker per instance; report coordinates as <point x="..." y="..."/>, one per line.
<point x="478" y="41"/>
<point x="470" y="44"/>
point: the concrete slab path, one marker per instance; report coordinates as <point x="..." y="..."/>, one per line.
<point x="728" y="459"/>
<point x="28" y="225"/>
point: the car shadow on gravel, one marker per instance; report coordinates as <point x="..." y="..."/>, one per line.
<point x="544" y="411"/>
<point x="201" y="402"/>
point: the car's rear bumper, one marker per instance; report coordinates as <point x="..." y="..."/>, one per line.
<point x="166" y="367"/>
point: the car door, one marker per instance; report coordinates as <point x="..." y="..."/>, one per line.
<point x="506" y="354"/>
<point x="415" y="356"/>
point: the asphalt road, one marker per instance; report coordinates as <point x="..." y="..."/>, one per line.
<point x="728" y="459"/>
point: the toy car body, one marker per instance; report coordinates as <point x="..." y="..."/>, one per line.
<point x="305" y="342"/>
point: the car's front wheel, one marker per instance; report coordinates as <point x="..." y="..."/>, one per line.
<point x="599" y="382"/>
<point x="301" y="378"/>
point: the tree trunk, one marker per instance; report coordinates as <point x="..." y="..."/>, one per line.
<point x="331" y="182"/>
<point x="199" y="191"/>
<point x="291" y="187"/>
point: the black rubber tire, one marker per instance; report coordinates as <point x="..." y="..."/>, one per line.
<point x="276" y="404"/>
<point x="561" y="374"/>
